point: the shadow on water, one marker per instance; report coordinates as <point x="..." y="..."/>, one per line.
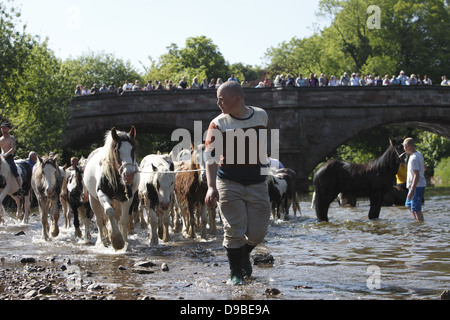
<point x="349" y="257"/>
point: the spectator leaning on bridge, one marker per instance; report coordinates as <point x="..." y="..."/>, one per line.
<point x="127" y="86"/>
<point x="240" y="190"/>
<point x="345" y="80"/>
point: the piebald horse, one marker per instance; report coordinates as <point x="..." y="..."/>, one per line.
<point x="8" y="186"/>
<point x="110" y="178"/>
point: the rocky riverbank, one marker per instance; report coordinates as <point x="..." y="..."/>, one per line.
<point x="31" y="279"/>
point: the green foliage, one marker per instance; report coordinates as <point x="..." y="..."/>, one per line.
<point x="413" y="37"/>
<point x="34" y="92"/>
<point x="434" y="148"/>
<point x="442" y="173"/>
<point x="199" y="58"/>
<point x="39" y="111"/>
<point x="99" y="68"/>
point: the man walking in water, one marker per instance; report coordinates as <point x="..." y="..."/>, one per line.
<point x="415" y="181"/>
<point x="8" y="147"/>
<point x="240" y="190"/>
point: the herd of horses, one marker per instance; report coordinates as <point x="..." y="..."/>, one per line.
<point x="114" y="188"/>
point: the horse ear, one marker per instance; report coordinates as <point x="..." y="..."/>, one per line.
<point x="40" y="159"/>
<point x="154" y="168"/>
<point x="114" y="134"/>
<point x="132" y="132"/>
<point x="391" y="142"/>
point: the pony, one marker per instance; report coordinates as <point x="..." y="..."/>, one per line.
<point x="282" y="191"/>
<point x="111" y="180"/>
<point x="372" y="180"/>
<point x="9" y="186"/>
<point x="46" y="181"/>
<point x="190" y="192"/>
<point x="77" y="207"/>
<point x="156" y="186"/>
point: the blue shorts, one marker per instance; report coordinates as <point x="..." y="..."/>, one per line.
<point x="415" y="204"/>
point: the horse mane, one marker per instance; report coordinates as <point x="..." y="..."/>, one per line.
<point x="109" y="168"/>
<point x="383" y="162"/>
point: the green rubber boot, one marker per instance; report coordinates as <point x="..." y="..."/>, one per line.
<point x="247" y="269"/>
<point x="235" y="261"/>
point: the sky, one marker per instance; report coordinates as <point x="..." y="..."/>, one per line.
<point x="243" y="30"/>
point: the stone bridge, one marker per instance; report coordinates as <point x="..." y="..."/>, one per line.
<point x="313" y="122"/>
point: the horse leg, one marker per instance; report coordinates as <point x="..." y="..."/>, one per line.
<point x="191" y="220"/>
<point x="375" y="206"/>
<point x="115" y="236"/>
<point x="43" y="210"/>
<point x="3" y="194"/>
<point x="76" y="221"/>
<point x="164" y="217"/>
<point x="26" y="209"/>
<point x="123" y="217"/>
<point x="202" y="220"/>
<point x="286" y="207"/>
<point x="86" y="209"/>
<point x="176" y="216"/>
<point x="153" y="223"/>
<point x="212" y="220"/>
<point x="54" y="214"/>
<point x="66" y="211"/>
<point x="321" y="206"/>
<point x="99" y="215"/>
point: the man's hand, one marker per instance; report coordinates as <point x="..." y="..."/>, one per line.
<point x="212" y="196"/>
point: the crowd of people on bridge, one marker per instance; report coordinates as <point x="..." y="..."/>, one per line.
<point x="354" y="80"/>
<point x="280" y="81"/>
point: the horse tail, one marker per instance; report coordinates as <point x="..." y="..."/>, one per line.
<point x="296" y="204"/>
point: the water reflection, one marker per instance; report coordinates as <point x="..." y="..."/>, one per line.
<point x="312" y="260"/>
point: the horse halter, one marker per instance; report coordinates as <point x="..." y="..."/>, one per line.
<point x="120" y="166"/>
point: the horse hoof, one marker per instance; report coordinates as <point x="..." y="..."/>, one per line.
<point x="117" y="242"/>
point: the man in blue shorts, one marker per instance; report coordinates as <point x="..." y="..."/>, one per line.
<point x="415" y="181"/>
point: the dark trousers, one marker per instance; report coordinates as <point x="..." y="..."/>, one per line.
<point x="12" y="165"/>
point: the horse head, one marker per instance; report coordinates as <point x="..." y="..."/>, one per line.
<point x="124" y="154"/>
<point x="164" y="182"/>
<point x="48" y="175"/>
<point x="397" y="145"/>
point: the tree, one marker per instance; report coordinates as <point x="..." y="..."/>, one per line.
<point x="99" y="68"/>
<point x="412" y="36"/>
<point x="34" y="92"/>
<point x="199" y="58"/>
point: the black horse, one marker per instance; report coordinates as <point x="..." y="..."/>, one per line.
<point x="372" y="180"/>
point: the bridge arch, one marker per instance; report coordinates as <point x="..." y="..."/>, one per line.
<point x="313" y="122"/>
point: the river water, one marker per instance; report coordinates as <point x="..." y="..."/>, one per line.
<point x="348" y="258"/>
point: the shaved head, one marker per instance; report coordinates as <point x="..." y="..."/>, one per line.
<point x="232" y="89"/>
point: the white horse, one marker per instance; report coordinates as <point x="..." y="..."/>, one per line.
<point x="156" y="187"/>
<point x="9" y="186"/>
<point x="110" y="179"/>
<point x="46" y="182"/>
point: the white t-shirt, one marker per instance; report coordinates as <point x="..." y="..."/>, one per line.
<point x="416" y="162"/>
